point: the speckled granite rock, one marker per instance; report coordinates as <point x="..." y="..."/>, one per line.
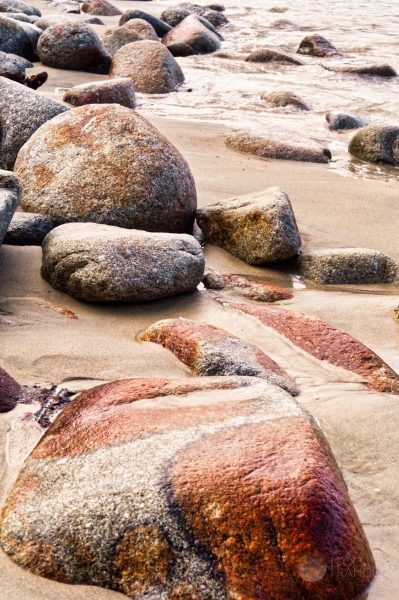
<point x="202" y="488"/>
<point x="145" y="183"/>
<point x="176" y="14"/>
<point x="101" y="263"/>
<point x="347" y="265"/>
<point x="102" y="8"/>
<point x="10" y="390"/>
<point x="13" y="67"/>
<point x="258" y="228"/>
<point x="18" y="38"/>
<point x="160" y="26"/>
<point x="45" y="22"/>
<point x="28" y="229"/>
<point x="132" y="31"/>
<point x="338" y="121"/>
<point x="192" y="33"/>
<point x="208" y="350"/>
<point x="379" y="70"/>
<point x="317" y="45"/>
<point x="254" y="289"/>
<point x="150" y="66"/>
<point x="22" y="111"/>
<point x="267" y="147"/>
<point x="18" y="6"/>
<point x="376" y="144"/>
<point x="265" y="55"/>
<point x="285" y="100"/>
<point x="114" y="91"/>
<point x="73" y="45"/>
<point x="10" y="191"/>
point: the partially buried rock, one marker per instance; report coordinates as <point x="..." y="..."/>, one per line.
<point x="107" y="164"/>
<point x="102" y="8"/>
<point x="18" y="6"/>
<point x="317" y="45"/>
<point x="338" y="121"/>
<point x="73" y="45"/>
<point x="160" y="26"/>
<point x="150" y="66"/>
<point x="208" y="350"/>
<point x="385" y="71"/>
<point x="10" y="390"/>
<point x="114" y="91"/>
<point x="115" y="38"/>
<point x="347" y="265"/>
<point x="267" y="147"/>
<point x="187" y="489"/>
<point x="258" y="228"/>
<point x="28" y="229"/>
<point x="13" y="67"/>
<point x="285" y="100"/>
<point x="176" y="14"/>
<point x="255" y="289"/>
<point x="18" y="38"/>
<point x="191" y="32"/>
<point x="265" y="55"/>
<point x="100" y="263"/>
<point x="10" y="190"/>
<point x="376" y="144"/>
<point x="22" y="111"/>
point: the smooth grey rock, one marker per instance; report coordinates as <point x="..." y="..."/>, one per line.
<point x="22" y="111"/>
<point x="160" y="26"/>
<point x="134" y="30"/>
<point x="191" y="32"/>
<point x="257" y="228"/>
<point x="376" y="144"/>
<point x="17" y="6"/>
<point x="114" y="91"/>
<point x="18" y="38"/>
<point x="101" y="263"/>
<point x="317" y="45"/>
<point x="28" y="229"/>
<point x="338" y="121"/>
<point x="10" y="190"/>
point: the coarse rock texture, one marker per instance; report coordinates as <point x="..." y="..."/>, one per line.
<point x="10" y="390"/>
<point x="347" y="265"/>
<point x="101" y="8"/>
<point x="22" y="111"/>
<point x="202" y="488"/>
<point x="10" y="190"/>
<point x="160" y="26"/>
<point x="101" y="263"/>
<point x="73" y="45"/>
<point x="191" y="32"/>
<point x="145" y="183"/>
<point x="18" y="38"/>
<point x="383" y="70"/>
<point x="13" y="67"/>
<point x="150" y="66"/>
<point x="258" y="228"/>
<point x="176" y="14"/>
<point x="132" y="31"/>
<point x="338" y="121"/>
<point x="45" y="22"/>
<point x="259" y="291"/>
<point x="326" y="343"/>
<point x="208" y="350"/>
<point x="376" y="144"/>
<point x="265" y="55"/>
<point x="28" y="229"/>
<point x="114" y="91"/>
<point x="266" y="147"/>
<point x="17" y="6"/>
<point x="317" y="45"/>
<point x="285" y="100"/>
<point x="22" y="17"/>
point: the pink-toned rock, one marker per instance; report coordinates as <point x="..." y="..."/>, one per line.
<point x="113" y="91"/>
<point x="193" y="33"/>
<point x="260" y="291"/>
<point x="10" y="392"/>
<point x="101" y="8"/>
<point x="134" y="30"/>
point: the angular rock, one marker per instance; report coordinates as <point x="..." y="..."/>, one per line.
<point x="376" y="144"/>
<point x="266" y="147"/>
<point x="208" y="350"/>
<point x="254" y="289"/>
<point x="191" y="32"/>
<point x="22" y="111"/>
<point x="265" y="55"/>
<point x="145" y="183"/>
<point x="326" y="343"/>
<point x="28" y="229"/>
<point x="347" y="265"/>
<point x="338" y="121"/>
<point x="10" y="191"/>
<point x="176" y="14"/>
<point x="18" y="38"/>
<point x="284" y="100"/>
<point x="73" y="45"/>
<point x="10" y="390"/>
<point x="160" y="26"/>
<point x="187" y="489"/>
<point x="258" y="228"/>
<point x="150" y="66"/>
<point x="101" y="263"/>
<point x="102" y="8"/>
<point x="18" y="6"/>
<point x="317" y="45"/>
<point x="114" y="91"/>
<point x="116" y="38"/>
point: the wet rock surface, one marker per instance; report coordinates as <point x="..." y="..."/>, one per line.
<point x="285" y="100"/>
<point x="160" y="26"/>
<point x="376" y="144"/>
<point x="317" y="45"/>
<point x="257" y="290"/>
<point x="28" y="229"/>
<point x="193" y="33"/>
<point x="265" y="55"/>
<point x="338" y="121"/>
<point x="176" y="14"/>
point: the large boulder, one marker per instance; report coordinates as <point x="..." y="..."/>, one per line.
<point x="133" y="31"/>
<point x="188" y="489"/>
<point x="22" y="111"/>
<point x="376" y="144"/>
<point x="266" y="55"/>
<point x="10" y="191"/>
<point x="150" y="66"/>
<point x="193" y="33"/>
<point x="73" y="45"/>
<point x="18" y="6"/>
<point x="317" y="45"/>
<point x="102" y="8"/>
<point x="145" y="183"/>
<point x="285" y="100"/>
<point x="160" y="26"/>
<point x="113" y="91"/>
<point x="28" y="229"/>
<point x="337" y="121"/>
<point x="258" y="228"/>
<point x="18" y="38"/>
<point x="101" y="263"/>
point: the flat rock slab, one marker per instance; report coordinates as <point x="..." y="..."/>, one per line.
<point x="326" y="343"/>
<point x="260" y="291"/>
<point x="208" y="350"/>
<point x="101" y="263"/>
<point x="115" y="91"/>
<point x="202" y="488"/>
<point x="10" y="191"/>
<point x="28" y="229"/>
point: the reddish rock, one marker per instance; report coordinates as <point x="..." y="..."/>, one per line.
<point x="193" y="33"/>
<point x="245" y="286"/>
<point x="102" y="8"/>
<point x="325" y="342"/>
<point x="208" y="350"/>
<point x="113" y="91"/>
<point x="10" y="392"/>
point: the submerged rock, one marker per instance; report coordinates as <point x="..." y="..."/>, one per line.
<point x="133" y="31"/>
<point x="284" y="100"/>
<point x="101" y="263"/>
<point x="28" y="229"/>
<point x="114" y="91"/>
<point x="101" y="8"/>
<point x="18" y="38"/>
<point x="18" y="6"/>
<point x="186" y="485"/>
<point x="317" y="45"/>
<point x="385" y="71"/>
<point x="257" y="290"/>
<point x="10" y="190"/>
<point x="176" y="14"/>
<point x="376" y="144"/>
<point x="160" y="26"/>
<point x="150" y="66"/>
<point x="258" y="228"/>
<point x="193" y="33"/>
<point x="22" y="111"/>
<point x="265" y="55"/>
<point x="145" y="183"/>
<point x="338" y="121"/>
<point x="10" y="390"/>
